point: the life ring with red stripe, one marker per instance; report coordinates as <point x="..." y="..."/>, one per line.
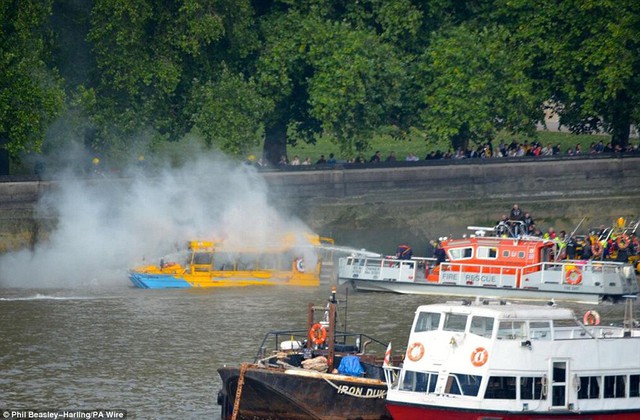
<point x="596" y="249"/>
<point x="318" y="334"/>
<point x="415" y="351"/>
<point x="623" y="241"/>
<point x="591" y="318"/>
<point x="573" y="276"/>
<point x="479" y="356"/>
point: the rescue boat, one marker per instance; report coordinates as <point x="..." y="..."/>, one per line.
<point x="484" y="264"/>
<point x="295" y="260"/>
<point x="500" y="361"/>
<point x="317" y="372"/>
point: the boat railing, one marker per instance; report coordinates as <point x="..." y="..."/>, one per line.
<point x="296" y="340"/>
<point x="388" y="267"/>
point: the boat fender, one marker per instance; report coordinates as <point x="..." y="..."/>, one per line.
<point x="479" y="356"/>
<point x="300" y="265"/>
<point x="317" y="334"/>
<point x="415" y="351"/>
<point x="591" y="318"/>
<point x="573" y="275"/>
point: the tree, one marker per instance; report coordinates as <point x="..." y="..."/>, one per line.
<point x="229" y="113"/>
<point x="474" y="86"/>
<point x="326" y="76"/>
<point x="155" y="58"/>
<point x="585" y="55"/>
<point x="31" y="94"/>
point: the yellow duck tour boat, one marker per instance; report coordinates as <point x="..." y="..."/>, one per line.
<point x="293" y="259"/>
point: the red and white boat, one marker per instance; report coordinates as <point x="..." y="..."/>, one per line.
<point x="516" y="362"/>
<point x="512" y="266"/>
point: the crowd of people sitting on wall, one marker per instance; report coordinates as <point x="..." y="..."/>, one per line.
<point x="487" y="150"/>
<point x="619" y="243"/>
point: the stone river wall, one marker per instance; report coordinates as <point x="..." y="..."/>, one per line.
<point x="428" y="198"/>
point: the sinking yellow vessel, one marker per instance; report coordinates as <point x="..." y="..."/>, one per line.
<point x="296" y="260"/>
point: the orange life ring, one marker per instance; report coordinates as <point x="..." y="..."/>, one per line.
<point x="623" y="241"/>
<point x="479" y="356"/>
<point x="415" y="351"/>
<point x="596" y="249"/>
<point x="318" y="333"/>
<point x="591" y="318"/>
<point x="573" y="276"/>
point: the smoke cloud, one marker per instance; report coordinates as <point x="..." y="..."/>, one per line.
<point x="106" y="226"/>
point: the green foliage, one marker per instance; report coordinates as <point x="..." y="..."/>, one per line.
<point x="475" y="87"/>
<point x="370" y="74"/>
<point x="31" y="94"/>
<point x="584" y="55"/>
<point x="229" y="113"/>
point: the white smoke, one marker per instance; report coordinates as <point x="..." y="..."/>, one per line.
<point x="106" y="226"/>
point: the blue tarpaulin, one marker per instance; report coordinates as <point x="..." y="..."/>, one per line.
<point x="350" y="365"/>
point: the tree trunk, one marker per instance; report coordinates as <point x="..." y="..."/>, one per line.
<point x="4" y="156"/>
<point x="620" y="121"/>
<point x="275" y="143"/>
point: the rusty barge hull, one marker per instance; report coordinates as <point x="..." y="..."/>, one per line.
<point x="271" y="393"/>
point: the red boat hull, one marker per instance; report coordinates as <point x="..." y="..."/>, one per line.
<point x="415" y="412"/>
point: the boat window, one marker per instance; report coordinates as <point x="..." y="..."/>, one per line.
<point x="455" y="322"/>
<point x="375" y="263"/>
<point x="540" y="330"/>
<point x="460" y="253"/>
<point x="202" y="258"/>
<point x="634" y="385"/>
<point x="505" y="254"/>
<point x="531" y="388"/>
<point x="487" y="253"/>
<point x="247" y="262"/>
<point x="267" y="262"/>
<point x="589" y="387"/>
<point x="511" y="330"/>
<point x="521" y="254"/>
<point x="501" y="388"/>
<point x="418" y="381"/>
<point x="614" y="386"/>
<point x="462" y="384"/>
<point x="224" y="261"/>
<point x="427" y="321"/>
<point x="482" y="326"/>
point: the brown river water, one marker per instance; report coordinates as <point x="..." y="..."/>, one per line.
<point x="155" y="353"/>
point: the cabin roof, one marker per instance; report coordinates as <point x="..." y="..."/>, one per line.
<point x="500" y="311"/>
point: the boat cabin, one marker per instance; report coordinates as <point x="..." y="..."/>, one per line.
<point x="497" y="358"/>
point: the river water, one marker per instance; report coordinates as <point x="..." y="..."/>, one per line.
<point x="155" y="353"/>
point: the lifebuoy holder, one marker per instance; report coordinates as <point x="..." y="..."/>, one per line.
<point x="573" y="275"/>
<point x="415" y="351"/>
<point x="591" y="318"/>
<point x="479" y="356"/>
<point x="318" y="333"/>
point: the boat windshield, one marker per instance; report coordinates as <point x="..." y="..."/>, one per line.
<point x="427" y="321"/>
<point x="418" y="381"/>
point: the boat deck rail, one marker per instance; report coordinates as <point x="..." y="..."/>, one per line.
<point x="506" y="274"/>
<point x="344" y="342"/>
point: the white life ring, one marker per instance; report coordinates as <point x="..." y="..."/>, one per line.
<point x="300" y="265"/>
